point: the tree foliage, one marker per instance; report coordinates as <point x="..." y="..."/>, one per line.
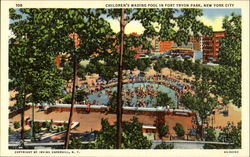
<point x="77" y="143"/>
<point x="166" y="20"/>
<point x="81" y="72"/>
<point x="113" y="100"/>
<point x="132" y="137"/>
<point x="81" y="95"/>
<point x="164" y="145"/>
<point x="201" y="102"/>
<point x="143" y="63"/>
<point x="163" y="99"/>
<point x="228" y="76"/>
<point x="67" y="71"/>
<point x="230" y="134"/>
<point x="163" y="130"/>
<point x="32" y="70"/>
<point x="159" y="65"/>
<point x="210" y="134"/>
<point x="178" y="128"/>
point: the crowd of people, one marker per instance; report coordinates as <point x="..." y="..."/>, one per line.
<point x="141" y="92"/>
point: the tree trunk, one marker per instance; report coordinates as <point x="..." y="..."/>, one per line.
<point x="119" y="87"/>
<point x="32" y="124"/>
<point x="22" y="118"/>
<point x="201" y="129"/>
<point x="67" y="139"/>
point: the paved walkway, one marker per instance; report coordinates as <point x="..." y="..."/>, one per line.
<point x="234" y="115"/>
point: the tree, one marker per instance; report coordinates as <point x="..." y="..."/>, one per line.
<point x="210" y="134"/>
<point x="52" y="34"/>
<point x="178" y="128"/>
<point x="230" y="134"/>
<point x="77" y="143"/>
<point x="67" y="71"/>
<point x="170" y="65"/>
<point x="32" y="73"/>
<point x="67" y="98"/>
<point x="143" y="63"/>
<point x="163" y="130"/>
<point x="163" y="99"/>
<point x="228" y="77"/>
<point x="186" y="22"/>
<point x="105" y="64"/>
<point x="201" y="102"/>
<point x="81" y="95"/>
<point x="105" y="138"/>
<point x="82" y="72"/>
<point x="132" y="137"/>
<point x="197" y="69"/>
<point x="187" y="64"/>
<point x="159" y="65"/>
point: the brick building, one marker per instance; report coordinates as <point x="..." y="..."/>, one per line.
<point x="168" y="45"/>
<point x="165" y="45"/>
<point x="196" y="43"/>
<point x="211" y="46"/>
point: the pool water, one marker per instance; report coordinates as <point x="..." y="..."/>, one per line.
<point x="102" y="98"/>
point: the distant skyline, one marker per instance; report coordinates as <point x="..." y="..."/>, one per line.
<point x="211" y="17"/>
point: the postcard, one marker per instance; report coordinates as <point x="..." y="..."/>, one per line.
<point x="124" y="78"/>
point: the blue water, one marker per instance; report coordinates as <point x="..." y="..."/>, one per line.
<point x="103" y="99"/>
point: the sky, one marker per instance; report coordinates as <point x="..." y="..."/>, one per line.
<point x="211" y="17"/>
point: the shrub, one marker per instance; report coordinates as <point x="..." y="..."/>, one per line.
<point x="164" y="145"/>
<point x="47" y="124"/>
<point x="67" y="98"/>
<point x="16" y="125"/>
<point x="54" y="128"/>
<point x="178" y="128"/>
<point x="27" y="134"/>
<point x="37" y="127"/>
<point x="60" y="128"/>
<point x="210" y="134"/>
<point x="11" y="131"/>
<point x="75" y="143"/>
<point x="163" y="130"/>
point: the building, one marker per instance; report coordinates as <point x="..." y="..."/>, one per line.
<point x="197" y="44"/>
<point x="165" y="45"/>
<point x="58" y="61"/>
<point x="211" y="46"/>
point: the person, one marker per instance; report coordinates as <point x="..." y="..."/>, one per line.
<point x="108" y="109"/>
<point x="88" y="108"/>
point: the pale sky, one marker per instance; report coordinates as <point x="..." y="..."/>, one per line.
<point x="211" y="17"/>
